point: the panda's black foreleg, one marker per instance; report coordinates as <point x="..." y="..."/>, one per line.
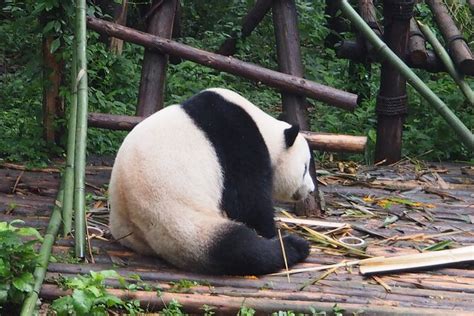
<point x="263" y="223"/>
<point x="238" y="250"/>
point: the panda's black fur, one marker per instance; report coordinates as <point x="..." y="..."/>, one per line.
<point x="243" y="156"/>
<point x="237" y="235"/>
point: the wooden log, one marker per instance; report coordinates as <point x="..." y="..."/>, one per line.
<point x="152" y="82"/>
<point x="355" y="51"/>
<point x="231" y="65"/>
<point x="454" y="41"/>
<point x="350" y="49"/>
<point x="335" y="142"/>
<point x="249" y="23"/>
<point x="392" y="98"/>
<point x="226" y="305"/>
<point x="367" y="12"/>
<point x="319" y="141"/>
<point x="416" y="45"/>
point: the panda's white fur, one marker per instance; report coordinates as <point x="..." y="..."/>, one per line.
<point x="167" y="189"/>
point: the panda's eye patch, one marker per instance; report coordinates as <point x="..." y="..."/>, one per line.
<point x="305" y="170"/>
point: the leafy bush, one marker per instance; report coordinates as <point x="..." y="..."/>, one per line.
<point x="89" y="296"/>
<point x="17" y="261"/>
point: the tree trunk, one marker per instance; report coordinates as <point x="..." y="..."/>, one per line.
<point x="53" y="105"/>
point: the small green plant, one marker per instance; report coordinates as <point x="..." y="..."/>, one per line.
<point x="17" y="261"/>
<point x="90" y="297"/>
<point x="246" y="311"/>
<point x="183" y="286"/>
<point x="208" y="310"/>
<point x="172" y="309"/>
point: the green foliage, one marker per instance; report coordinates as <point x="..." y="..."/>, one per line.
<point x="114" y="79"/>
<point x="173" y="308"/>
<point x="246" y="311"/>
<point x="17" y="261"/>
<point x="90" y="297"/>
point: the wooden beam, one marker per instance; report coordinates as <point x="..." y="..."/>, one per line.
<point x="249" y="23"/>
<point x="231" y="65"/>
<point x="318" y="141"/>
<point x="453" y="39"/>
<point x="392" y="98"/>
<point x="152" y="82"/>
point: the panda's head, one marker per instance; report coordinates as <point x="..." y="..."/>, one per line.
<point x="291" y="178"/>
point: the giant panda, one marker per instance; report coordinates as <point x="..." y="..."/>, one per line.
<point x="194" y="184"/>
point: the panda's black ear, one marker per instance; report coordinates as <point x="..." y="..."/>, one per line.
<point x="291" y="134"/>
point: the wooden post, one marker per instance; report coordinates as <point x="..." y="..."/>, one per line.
<point x="392" y="98"/>
<point x="152" y="83"/>
<point x="120" y="17"/>
<point x="453" y="39"/>
<point x="294" y="107"/>
<point x="249" y="23"/>
<point x="53" y="105"/>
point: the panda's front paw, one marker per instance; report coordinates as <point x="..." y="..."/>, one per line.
<point x="296" y="248"/>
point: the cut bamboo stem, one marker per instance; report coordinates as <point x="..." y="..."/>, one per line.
<point x="448" y="63"/>
<point x="461" y="130"/>
<point x="29" y="304"/>
<point x="421" y="260"/>
<point x="81" y="131"/>
<point x="67" y="210"/>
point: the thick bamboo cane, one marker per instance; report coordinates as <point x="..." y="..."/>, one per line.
<point x="71" y="143"/>
<point x="461" y="130"/>
<point x="29" y="304"/>
<point x="81" y="130"/>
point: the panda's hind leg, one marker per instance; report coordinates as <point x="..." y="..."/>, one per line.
<point x="128" y="234"/>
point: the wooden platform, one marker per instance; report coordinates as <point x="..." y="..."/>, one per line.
<point x="431" y="204"/>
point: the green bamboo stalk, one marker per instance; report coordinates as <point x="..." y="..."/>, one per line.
<point x="71" y="143"/>
<point x="447" y="61"/>
<point x="387" y="55"/>
<point x="81" y="131"/>
<point x="29" y="304"/>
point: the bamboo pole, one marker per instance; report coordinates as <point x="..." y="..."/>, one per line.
<point x="29" y="303"/>
<point x="81" y="130"/>
<point x="272" y="78"/>
<point x="461" y="130"/>
<point x="448" y="63"/>
<point x="71" y="143"/>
